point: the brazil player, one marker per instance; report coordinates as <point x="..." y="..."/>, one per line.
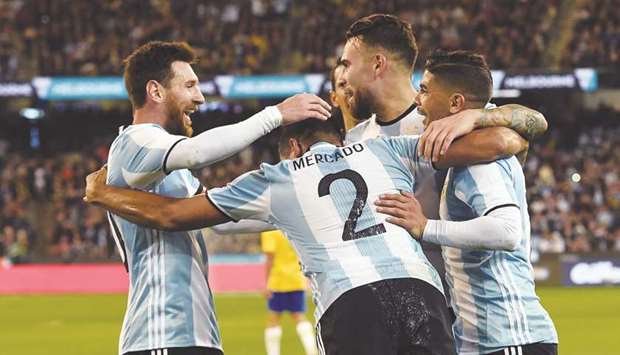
<point x="170" y="307"/>
<point x="286" y="284"/>
<point x="377" y="66"/>
<point x="285" y="292"/>
<point x="484" y="227"/>
<point x="373" y="288"/>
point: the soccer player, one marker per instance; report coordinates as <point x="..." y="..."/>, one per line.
<point x="170" y="307"/>
<point x="378" y="61"/>
<point x="484" y="227"/>
<point x="286" y="284"/>
<point x="286" y="292"/>
<point x="374" y="290"/>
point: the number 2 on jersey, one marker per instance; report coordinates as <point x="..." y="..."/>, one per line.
<point x="361" y="194"/>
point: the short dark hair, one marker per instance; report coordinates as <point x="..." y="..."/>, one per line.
<point x="152" y="61"/>
<point x="310" y="130"/>
<point x="389" y="32"/>
<point x="464" y="70"/>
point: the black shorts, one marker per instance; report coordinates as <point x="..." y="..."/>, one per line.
<point x="388" y="317"/>
<point x="529" y="349"/>
<point x="195" y="350"/>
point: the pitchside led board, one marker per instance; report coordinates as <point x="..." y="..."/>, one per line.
<point x="505" y="84"/>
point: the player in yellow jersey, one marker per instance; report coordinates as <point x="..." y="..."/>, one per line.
<point x="285" y="292"/>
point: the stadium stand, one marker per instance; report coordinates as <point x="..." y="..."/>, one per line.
<point x="61" y="37"/>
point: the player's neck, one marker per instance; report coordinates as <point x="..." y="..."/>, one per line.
<point x="395" y="98"/>
<point x="149" y="115"/>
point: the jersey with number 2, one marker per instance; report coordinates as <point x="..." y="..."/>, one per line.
<point x="324" y="202"/>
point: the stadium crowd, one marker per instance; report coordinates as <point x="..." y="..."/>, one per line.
<point x="63" y="37"/>
<point x="573" y="192"/>
<point x="597" y="36"/>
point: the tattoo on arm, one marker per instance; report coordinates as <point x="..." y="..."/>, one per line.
<point x="527" y="122"/>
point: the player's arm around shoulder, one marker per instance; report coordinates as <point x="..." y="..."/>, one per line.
<point x="481" y="146"/>
<point x="151" y="210"/>
<point x="507" y="130"/>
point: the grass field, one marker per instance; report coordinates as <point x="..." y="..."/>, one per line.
<point x="588" y="321"/>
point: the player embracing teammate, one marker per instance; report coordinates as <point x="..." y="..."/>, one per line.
<point x="347" y="245"/>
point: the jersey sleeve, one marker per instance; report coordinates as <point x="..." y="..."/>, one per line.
<point x="268" y="241"/>
<point x="406" y="147"/>
<point x="485" y="187"/>
<point x="141" y="156"/>
<point x="247" y="197"/>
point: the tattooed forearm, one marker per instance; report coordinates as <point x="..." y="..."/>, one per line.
<point x="525" y="121"/>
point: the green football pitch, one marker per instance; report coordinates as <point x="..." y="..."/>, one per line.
<point x="588" y="322"/>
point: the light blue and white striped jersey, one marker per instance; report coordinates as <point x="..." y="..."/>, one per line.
<point x="324" y="202"/>
<point x="170" y="303"/>
<point x="492" y="291"/>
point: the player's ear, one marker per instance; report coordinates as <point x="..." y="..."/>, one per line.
<point x="380" y="64"/>
<point x="332" y="98"/>
<point x="457" y="102"/>
<point x="155" y="91"/>
<point x="295" y="150"/>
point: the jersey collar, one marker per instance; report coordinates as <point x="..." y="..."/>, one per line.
<point x="402" y="115"/>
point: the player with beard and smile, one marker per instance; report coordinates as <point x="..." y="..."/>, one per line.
<point x="378" y="59"/>
<point x="170" y="307"/>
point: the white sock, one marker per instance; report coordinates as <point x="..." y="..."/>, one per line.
<point x="306" y="335"/>
<point x="272" y="340"/>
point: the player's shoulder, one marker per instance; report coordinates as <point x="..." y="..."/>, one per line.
<point x="142" y="128"/>
<point x="139" y="135"/>
<point x="263" y="176"/>
<point x="355" y="134"/>
<point x="396" y="142"/>
<point x="504" y="166"/>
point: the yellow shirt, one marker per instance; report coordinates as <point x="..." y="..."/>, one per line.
<point x="285" y="274"/>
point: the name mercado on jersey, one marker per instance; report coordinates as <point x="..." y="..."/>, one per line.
<point x="316" y="158"/>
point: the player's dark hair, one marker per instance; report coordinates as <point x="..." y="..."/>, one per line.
<point x="312" y="130"/>
<point x="463" y="70"/>
<point x="388" y="32"/>
<point x="152" y="61"/>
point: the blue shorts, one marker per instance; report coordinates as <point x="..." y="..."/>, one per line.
<point x="294" y="301"/>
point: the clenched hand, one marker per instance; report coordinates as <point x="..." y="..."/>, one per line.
<point x="94" y="182"/>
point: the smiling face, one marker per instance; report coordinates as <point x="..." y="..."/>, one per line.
<point x="358" y="76"/>
<point x="182" y="97"/>
<point x="433" y="99"/>
<point x="338" y="94"/>
<point x="339" y="97"/>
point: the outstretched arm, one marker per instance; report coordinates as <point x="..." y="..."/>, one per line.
<point x="151" y="210"/>
<point x="440" y="134"/>
<point x="221" y="142"/>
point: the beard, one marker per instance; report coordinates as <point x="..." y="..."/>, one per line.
<point x="362" y="105"/>
<point x="176" y="120"/>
